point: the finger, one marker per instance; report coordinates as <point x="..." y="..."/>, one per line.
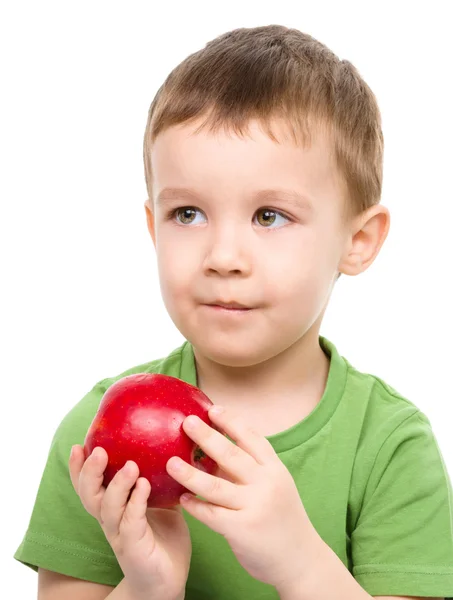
<point x="134" y="525"/>
<point x="76" y="460"/>
<point x="248" y="439"/>
<point x="91" y="477"/>
<point x="214" y="489"/>
<point x="116" y="497"/>
<point x="214" y="517"/>
<point x="230" y="457"/>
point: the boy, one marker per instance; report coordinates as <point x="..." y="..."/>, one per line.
<point x="334" y="486"/>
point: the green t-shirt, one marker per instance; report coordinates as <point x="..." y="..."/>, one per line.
<point x="367" y="467"/>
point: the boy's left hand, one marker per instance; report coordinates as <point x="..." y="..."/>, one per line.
<point x="258" y="509"/>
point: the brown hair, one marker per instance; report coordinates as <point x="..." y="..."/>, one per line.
<point x="273" y="72"/>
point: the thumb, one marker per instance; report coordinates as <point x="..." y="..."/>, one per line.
<point x="76" y="460"/>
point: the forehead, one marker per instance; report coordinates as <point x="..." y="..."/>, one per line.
<point x="187" y="156"/>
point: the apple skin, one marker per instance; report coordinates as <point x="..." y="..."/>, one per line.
<point x="140" y="418"/>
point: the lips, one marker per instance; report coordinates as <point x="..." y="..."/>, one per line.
<point x="235" y="305"/>
<point x="231" y="304"/>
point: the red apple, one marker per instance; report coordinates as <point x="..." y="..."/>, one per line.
<point x="140" y="418"/>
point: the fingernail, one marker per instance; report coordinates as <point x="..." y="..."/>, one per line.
<point x="177" y="464"/>
<point x="216" y="410"/>
<point x="97" y="453"/>
<point x="127" y="469"/>
<point x="71" y="454"/>
<point x="191" y="422"/>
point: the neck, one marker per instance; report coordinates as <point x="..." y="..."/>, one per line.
<point x="300" y="371"/>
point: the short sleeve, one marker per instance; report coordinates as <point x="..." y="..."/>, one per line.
<point x="402" y="543"/>
<point x="62" y="536"/>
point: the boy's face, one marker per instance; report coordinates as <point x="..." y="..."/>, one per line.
<point x="275" y="254"/>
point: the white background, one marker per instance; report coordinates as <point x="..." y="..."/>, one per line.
<point x="80" y="295"/>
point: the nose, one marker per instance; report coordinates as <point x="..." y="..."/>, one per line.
<point x="228" y="251"/>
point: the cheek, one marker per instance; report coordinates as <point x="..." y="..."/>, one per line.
<point x="175" y="269"/>
<point x="293" y="259"/>
<point x="301" y="271"/>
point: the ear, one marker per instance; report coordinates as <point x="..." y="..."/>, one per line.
<point x="367" y="234"/>
<point x="150" y="220"/>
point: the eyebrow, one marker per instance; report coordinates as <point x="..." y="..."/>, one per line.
<point x="266" y="195"/>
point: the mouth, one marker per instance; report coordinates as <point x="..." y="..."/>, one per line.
<point x="229" y="305"/>
<point x="231" y="308"/>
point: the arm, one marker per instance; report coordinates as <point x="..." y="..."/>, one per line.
<point x="54" y="586"/>
<point x="331" y="579"/>
<point x="259" y="511"/>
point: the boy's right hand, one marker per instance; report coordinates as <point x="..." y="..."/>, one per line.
<point x="152" y="545"/>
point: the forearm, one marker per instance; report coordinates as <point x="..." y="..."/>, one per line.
<point x="123" y="591"/>
<point x="329" y="579"/>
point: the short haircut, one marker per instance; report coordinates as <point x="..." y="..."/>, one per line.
<point x="274" y="72"/>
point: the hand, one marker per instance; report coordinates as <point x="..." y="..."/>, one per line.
<point x="152" y="546"/>
<point x="254" y="503"/>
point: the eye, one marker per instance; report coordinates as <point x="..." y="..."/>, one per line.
<point x="269" y="217"/>
<point x="185" y="215"/>
<point x="186" y="212"/>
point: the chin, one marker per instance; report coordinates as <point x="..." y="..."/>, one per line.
<point x="229" y="353"/>
<point x="230" y="360"/>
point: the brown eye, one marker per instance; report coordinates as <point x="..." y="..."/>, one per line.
<point x="186" y="213"/>
<point x="268" y="217"/>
